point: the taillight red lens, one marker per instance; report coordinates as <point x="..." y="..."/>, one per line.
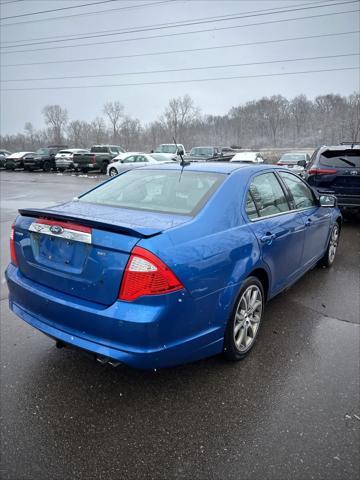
<point x="12" y="246"/>
<point x="146" y="274"/>
<point x="94" y="159"/>
<point x="322" y="171"/>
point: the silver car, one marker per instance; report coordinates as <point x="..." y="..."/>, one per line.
<point x="130" y="160"/>
<point x="296" y="161"/>
<point x="64" y="158"/>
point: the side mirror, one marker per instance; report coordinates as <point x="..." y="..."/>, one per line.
<point x="327" y="201"/>
<point x="180" y="152"/>
<point x="216" y="154"/>
<point x="302" y="163"/>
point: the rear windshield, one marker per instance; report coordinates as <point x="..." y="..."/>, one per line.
<point x="341" y="158"/>
<point x="202" y="151"/>
<point x="157" y="190"/>
<point x="292" y="157"/>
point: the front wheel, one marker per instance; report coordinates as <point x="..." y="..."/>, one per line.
<point x="243" y="326"/>
<point x="329" y="256"/>
<point x="113" y="172"/>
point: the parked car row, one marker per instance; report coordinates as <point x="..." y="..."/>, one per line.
<point x="331" y="169"/>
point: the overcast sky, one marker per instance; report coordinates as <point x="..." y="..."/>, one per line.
<point x="147" y="102"/>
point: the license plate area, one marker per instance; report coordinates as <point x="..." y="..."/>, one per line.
<point x="59" y="253"/>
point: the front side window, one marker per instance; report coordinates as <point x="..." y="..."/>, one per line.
<point x="300" y="192"/>
<point x="130" y="159"/>
<point x="268" y="195"/>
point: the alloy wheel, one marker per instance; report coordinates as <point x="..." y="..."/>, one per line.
<point x="247" y="318"/>
<point x="334" y="240"/>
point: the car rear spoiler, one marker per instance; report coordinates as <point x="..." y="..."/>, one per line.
<point x="134" y="231"/>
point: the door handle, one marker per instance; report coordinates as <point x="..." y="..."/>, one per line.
<point x="268" y="238"/>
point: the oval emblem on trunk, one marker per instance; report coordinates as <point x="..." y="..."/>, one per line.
<point x="56" y="229"/>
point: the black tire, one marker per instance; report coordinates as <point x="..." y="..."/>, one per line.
<point x="244" y="326"/>
<point x="113" y="172"/>
<point x="328" y="259"/>
<point x="46" y="166"/>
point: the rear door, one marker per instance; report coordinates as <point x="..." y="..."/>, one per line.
<point x="278" y="229"/>
<point x="316" y="219"/>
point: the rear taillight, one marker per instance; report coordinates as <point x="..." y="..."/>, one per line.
<point x="94" y="159"/>
<point x="322" y="171"/>
<point x="146" y="274"/>
<point x="12" y="246"/>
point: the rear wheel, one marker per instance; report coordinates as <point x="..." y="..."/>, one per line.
<point x="113" y="172"/>
<point x="104" y="167"/>
<point x="46" y="166"/>
<point x="329" y="256"/>
<point x="243" y="326"/>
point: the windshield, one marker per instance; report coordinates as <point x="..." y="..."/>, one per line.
<point x="341" y="158"/>
<point x="292" y="157"/>
<point x="157" y="190"/>
<point x="201" y="151"/>
<point x="166" y="149"/>
<point x="43" y="151"/>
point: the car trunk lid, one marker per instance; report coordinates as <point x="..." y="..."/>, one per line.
<point x="66" y="249"/>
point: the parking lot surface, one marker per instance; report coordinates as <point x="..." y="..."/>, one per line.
<point x="289" y="410"/>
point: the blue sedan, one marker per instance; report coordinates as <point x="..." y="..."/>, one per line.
<point x="168" y="264"/>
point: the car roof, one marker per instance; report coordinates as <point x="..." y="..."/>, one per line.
<point x="354" y="146"/>
<point x="214" y="167"/>
<point x="296" y="153"/>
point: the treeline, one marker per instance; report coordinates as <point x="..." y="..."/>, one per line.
<point x="269" y="122"/>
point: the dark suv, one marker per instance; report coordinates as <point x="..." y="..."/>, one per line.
<point x="43" y="158"/>
<point x="336" y="169"/>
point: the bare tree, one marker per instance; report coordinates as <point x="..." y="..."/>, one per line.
<point x="130" y="133"/>
<point x="74" y="131"/>
<point x="353" y="119"/>
<point x="179" y="116"/>
<point x="274" y="110"/>
<point x="114" y="111"/>
<point x="98" y="130"/>
<point x="56" y="118"/>
<point x="300" y="109"/>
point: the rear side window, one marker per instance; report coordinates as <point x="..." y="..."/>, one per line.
<point x="99" y="150"/>
<point x="341" y="158"/>
<point x="250" y="207"/>
<point x="300" y="192"/>
<point x="268" y="196"/>
<point x="157" y="190"/>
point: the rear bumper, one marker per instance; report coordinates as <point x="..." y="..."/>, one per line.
<point x="157" y="334"/>
<point x="64" y="163"/>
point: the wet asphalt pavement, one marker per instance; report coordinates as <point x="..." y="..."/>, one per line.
<point x="289" y="410"/>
